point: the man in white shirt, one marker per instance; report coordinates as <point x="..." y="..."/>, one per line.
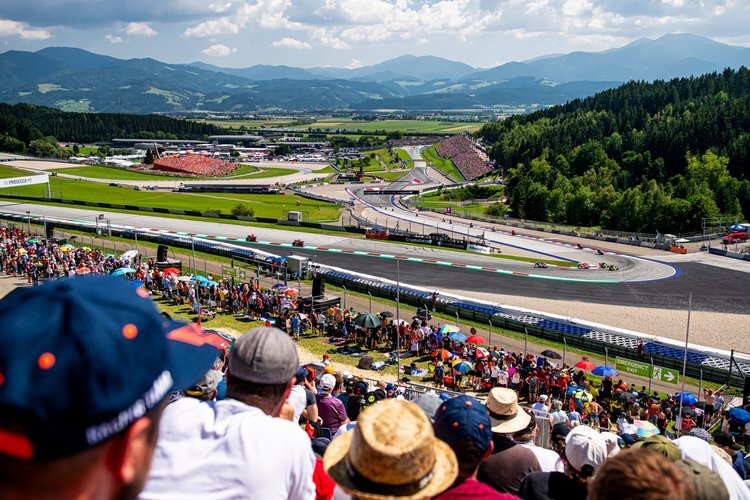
<point x="549" y="460"/>
<point x="237" y="448"/>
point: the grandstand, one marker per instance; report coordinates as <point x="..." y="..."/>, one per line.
<point x="469" y="158"/>
<point x="194" y="165"/>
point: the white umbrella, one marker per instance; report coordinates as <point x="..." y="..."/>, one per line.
<point x="682" y="240"/>
<point x="130" y="254"/>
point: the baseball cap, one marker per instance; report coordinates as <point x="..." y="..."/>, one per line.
<point x="327" y="382"/>
<point x="584" y="446"/>
<point x="264" y="355"/>
<point x="95" y="357"/>
<point x="429" y="403"/>
<point x="661" y="445"/>
<point x="301" y="374"/>
<point x="560" y="431"/>
<point x="725" y="438"/>
<point x="361" y="388"/>
<point x="463" y="418"/>
<point x="205" y="385"/>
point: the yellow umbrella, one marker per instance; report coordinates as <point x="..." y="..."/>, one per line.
<point x="66" y="249"/>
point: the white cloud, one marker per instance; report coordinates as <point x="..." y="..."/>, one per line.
<point x="326" y="39"/>
<point x="214" y="27"/>
<point x="113" y="38"/>
<point x="269" y="14"/>
<point x="292" y="43"/>
<point x="354" y="64"/>
<point x="140" y="29"/>
<point x="220" y="7"/>
<point x="22" y="30"/>
<point x="219" y="50"/>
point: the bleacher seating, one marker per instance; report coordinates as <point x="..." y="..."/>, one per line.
<point x="194" y="165"/>
<point x="471" y="161"/>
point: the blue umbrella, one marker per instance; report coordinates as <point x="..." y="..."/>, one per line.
<point x="737" y="227"/>
<point x="200" y="279"/>
<point x="739" y="415"/>
<point x="604" y="371"/>
<point x="687" y="398"/>
<point x="279" y="286"/>
<point x="122" y="270"/>
<point x="458" y="337"/>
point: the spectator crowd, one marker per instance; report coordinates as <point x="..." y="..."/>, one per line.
<point x="194" y="165"/>
<point x="470" y="160"/>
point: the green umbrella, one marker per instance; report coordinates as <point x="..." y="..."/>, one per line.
<point x="367" y="320"/>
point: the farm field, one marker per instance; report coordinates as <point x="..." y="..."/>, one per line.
<point x="236" y="124"/>
<point x="272" y="206"/>
<point x="409" y="126"/>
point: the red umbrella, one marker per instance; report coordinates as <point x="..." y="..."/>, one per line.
<point x="83" y="270"/>
<point x="585" y="364"/>
<point x="442" y="354"/>
<point x="172" y="270"/>
<point x="476" y="339"/>
<point x="482" y="353"/>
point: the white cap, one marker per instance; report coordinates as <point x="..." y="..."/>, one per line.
<point x="611" y="439"/>
<point x="585" y="446"/>
<point x="327" y="382"/>
<point x="543" y="398"/>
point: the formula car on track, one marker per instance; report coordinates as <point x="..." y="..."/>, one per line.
<point x="584" y="265"/>
<point x="251" y="238"/>
<point x="298" y="243"/>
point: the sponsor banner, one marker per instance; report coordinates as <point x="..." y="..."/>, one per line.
<point x="478" y="248"/>
<point x="23" y="181"/>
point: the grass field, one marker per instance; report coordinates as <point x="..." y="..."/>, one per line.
<point x="102" y="172"/>
<point x="443" y="164"/>
<point x="264" y="205"/>
<point x="390" y="175"/>
<point x="280" y="122"/>
<point x="409" y="126"/>
<point x="405" y="157"/>
<point x="8" y="172"/>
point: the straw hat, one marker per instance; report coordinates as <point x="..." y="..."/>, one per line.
<point x="505" y="413"/>
<point x="391" y="453"/>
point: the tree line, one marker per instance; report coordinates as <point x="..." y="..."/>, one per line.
<point x="641" y="157"/>
<point x="28" y="128"/>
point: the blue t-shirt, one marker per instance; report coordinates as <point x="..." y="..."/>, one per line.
<point x="739" y="465"/>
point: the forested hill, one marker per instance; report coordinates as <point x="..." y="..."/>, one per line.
<point x="634" y="157"/>
<point x="26" y="123"/>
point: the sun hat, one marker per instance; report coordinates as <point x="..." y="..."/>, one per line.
<point x="463" y="418"/>
<point x="612" y="440"/>
<point x="84" y="358"/>
<point x="700" y="433"/>
<point x="206" y="385"/>
<point x="329" y="369"/>
<point x="327" y="382"/>
<point x="584" y="446"/>
<point x="264" y="355"/>
<point x="391" y="453"/>
<point x="506" y="415"/>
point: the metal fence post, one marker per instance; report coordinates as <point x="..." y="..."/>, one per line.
<point x="490" y="340"/>
<point x="650" y="378"/>
<point x="344" y="296"/>
<point x="368" y="293"/>
<point x="565" y="349"/>
<point x="525" y="341"/>
<point x="458" y="321"/>
<point x="700" y="386"/>
<point x="606" y="357"/>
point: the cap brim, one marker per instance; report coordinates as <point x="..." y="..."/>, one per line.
<point x="445" y="470"/>
<point x="517" y="423"/>
<point x="190" y="354"/>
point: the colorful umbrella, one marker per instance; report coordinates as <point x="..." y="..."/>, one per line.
<point x="645" y="428"/>
<point x="442" y="354"/>
<point x="290" y="291"/>
<point x="66" y="249"/>
<point x="172" y="270"/>
<point x="184" y="278"/>
<point x="462" y="366"/>
<point x="476" y="339"/>
<point x="481" y="353"/>
<point x="67" y="245"/>
<point x="446" y="329"/>
<point x="585" y="364"/>
<point x="584" y="396"/>
<point x="458" y="337"/>
<point x="604" y="371"/>
<point x="687" y="398"/>
<point x="122" y="270"/>
<point x="83" y="270"/>
<point x="86" y="249"/>
<point x="279" y="286"/>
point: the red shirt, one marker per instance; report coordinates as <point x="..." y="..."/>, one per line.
<point x="471" y="488"/>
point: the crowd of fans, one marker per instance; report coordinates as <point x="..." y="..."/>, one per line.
<point x="194" y="165"/>
<point x="471" y="161"/>
<point x="101" y="397"/>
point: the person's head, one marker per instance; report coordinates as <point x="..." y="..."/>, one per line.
<point x="557" y="436"/>
<point x="585" y="450"/>
<point x="391" y="452"/>
<point x="327" y="383"/>
<point x="507" y="417"/>
<point x="640" y="475"/>
<point x="83" y="387"/>
<point x="528" y="433"/>
<point x="464" y="424"/>
<point x="205" y="389"/>
<point x="261" y="371"/>
<point x="725" y="440"/>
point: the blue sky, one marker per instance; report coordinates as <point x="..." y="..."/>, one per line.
<point x="350" y="33"/>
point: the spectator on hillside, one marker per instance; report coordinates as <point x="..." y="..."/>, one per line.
<point x="725" y="440"/>
<point x="302" y="399"/>
<point x="330" y="408"/>
<point x="78" y="421"/>
<point x="510" y="462"/>
<point x="393" y="453"/>
<point x="464" y="424"/>
<point x="235" y="447"/>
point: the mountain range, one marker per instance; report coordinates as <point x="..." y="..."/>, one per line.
<point x="78" y="80"/>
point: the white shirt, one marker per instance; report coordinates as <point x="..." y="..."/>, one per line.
<point x="227" y="449"/>
<point x="298" y="401"/>
<point x="549" y="461"/>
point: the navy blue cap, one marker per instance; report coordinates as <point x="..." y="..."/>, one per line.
<point x="82" y="359"/>
<point x="462" y="418"/>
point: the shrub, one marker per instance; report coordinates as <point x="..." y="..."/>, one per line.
<point x="242" y="210"/>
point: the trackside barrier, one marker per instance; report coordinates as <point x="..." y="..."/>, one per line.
<point x="714" y="364"/>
